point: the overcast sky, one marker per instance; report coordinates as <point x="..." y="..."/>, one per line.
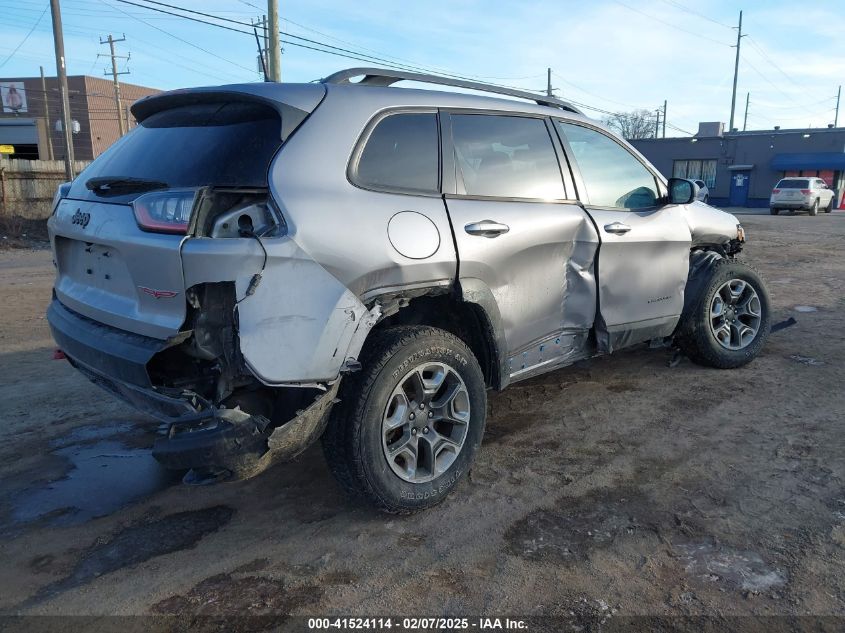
<point x="610" y="54"/>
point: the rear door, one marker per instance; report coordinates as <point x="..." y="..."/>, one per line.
<point x="643" y="260"/>
<point x="520" y="233"/>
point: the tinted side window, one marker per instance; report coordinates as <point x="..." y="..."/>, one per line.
<point x="402" y="152"/>
<point x="506" y="157"/>
<point x="612" y="175"/>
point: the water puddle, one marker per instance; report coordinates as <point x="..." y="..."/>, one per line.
<point x="104" y="475"/>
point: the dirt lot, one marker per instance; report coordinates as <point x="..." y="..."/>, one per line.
<point x="615" y="488"/>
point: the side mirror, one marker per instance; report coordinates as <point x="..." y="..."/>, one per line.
<point x="682" y="191"/>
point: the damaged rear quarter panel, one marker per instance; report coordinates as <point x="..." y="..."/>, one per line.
<point x="297" y="326"/>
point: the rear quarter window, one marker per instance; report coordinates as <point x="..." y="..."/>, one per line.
<point x="401" y="153"/>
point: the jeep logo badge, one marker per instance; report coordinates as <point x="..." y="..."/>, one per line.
<point x="82" y="219"/>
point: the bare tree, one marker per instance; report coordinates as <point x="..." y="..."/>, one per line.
<point x="632" y="125"/>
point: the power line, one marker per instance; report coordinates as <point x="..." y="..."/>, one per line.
<point x="686" y="9"/>
<point x="23" y="41"/>
<point x="669" y="24"/>
<point x="184" y="41"/>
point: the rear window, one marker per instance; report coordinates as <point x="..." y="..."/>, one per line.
<point x="221" y="144"/>
<point x="793" y="184"/>
<point x="402" y="153"/>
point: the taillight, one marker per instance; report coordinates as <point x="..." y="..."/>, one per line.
<point x="775" y="190"/>
<point x="61" y="193"/>
<point x="164" y="211"/>
<point x="806" y="192"/>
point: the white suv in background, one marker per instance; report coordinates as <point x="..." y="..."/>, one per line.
<point x="703" y="192"/>
<point x="805" y="193"/>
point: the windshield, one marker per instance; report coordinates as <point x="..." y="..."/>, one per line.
<point x="793" y="184"/>
<point x="221" y="144"/>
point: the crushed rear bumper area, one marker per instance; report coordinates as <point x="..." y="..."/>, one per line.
<point x="212" y="442"/>
<point x="114" y="360"/>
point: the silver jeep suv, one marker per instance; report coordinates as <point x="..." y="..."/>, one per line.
<point x="265" y="265"/>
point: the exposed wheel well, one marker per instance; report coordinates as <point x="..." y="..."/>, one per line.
<point x="466" y="320"/>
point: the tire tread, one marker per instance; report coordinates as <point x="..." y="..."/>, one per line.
<point x="348" y="417"/>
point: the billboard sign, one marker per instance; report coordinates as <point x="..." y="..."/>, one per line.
<point x="13" y="95"/>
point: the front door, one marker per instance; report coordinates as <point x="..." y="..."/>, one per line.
<point x="740" y="181"/>
<point x="643" y="259"/>
<point x="520" y="236"/>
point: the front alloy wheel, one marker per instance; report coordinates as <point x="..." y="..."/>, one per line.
<point x="727" y="324"/>
<point x="735" y="314"/>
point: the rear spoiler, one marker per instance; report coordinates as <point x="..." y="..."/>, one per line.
<point x="293" y="102"/>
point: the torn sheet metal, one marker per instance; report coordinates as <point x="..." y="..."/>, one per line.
<point x="233" y="444"/>
<point x="298" y="324"/>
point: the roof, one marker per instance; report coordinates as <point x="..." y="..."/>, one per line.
<point x="307" y="96"/>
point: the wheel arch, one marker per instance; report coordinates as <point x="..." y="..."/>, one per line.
<point x="468" y="310"/>
<point x="701" y="261"/>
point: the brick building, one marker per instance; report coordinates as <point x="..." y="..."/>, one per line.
<point x="26" y="104"/>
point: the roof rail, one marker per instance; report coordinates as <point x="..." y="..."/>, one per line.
<point x="387" y="77"/>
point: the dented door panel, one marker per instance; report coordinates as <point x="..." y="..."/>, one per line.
<point x="642" y="274"/>
<point x="541" y="273"/>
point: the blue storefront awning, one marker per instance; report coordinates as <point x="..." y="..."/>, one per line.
<point x="812" y="160"/>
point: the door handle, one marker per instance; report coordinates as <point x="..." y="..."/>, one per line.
<point x="486" y="228"/>
<point x="617" y="228"/>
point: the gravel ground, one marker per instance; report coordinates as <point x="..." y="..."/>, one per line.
<point x="619" y="487"/>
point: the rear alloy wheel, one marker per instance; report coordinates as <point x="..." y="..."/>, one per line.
<point x="706" y="199"/>
<point x="409" y="423"/>
<point x="829" y="206"/>
<point x="774" y="211"/>
<point x="729" y="322"/>
<point x="814" y="210"/>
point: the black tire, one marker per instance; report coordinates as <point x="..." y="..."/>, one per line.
<point x="814" y="210"/>
<point x="695" y="336"/>
<point x="706" y="199"/>
<point x="352" y="442"/>
<point x="774" y="211"/>
<point x="829" y="206"/>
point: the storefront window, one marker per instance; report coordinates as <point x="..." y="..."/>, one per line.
<point x="696" y="170"/>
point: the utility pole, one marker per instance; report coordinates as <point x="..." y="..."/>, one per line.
<point x="657" y="124"/>
<point x="274" y="54"/>
<point x="664" y="117"/>
<point x="836" y="119"/>
<point x="263" y="62"/>
<point x="549" y="82"/>
<point x="745" y="119"/>
<point x="739" y="37"/>
<point x="117" y="102"/>
<point x="47" y="115"/>
<point x="61" y="71"/>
